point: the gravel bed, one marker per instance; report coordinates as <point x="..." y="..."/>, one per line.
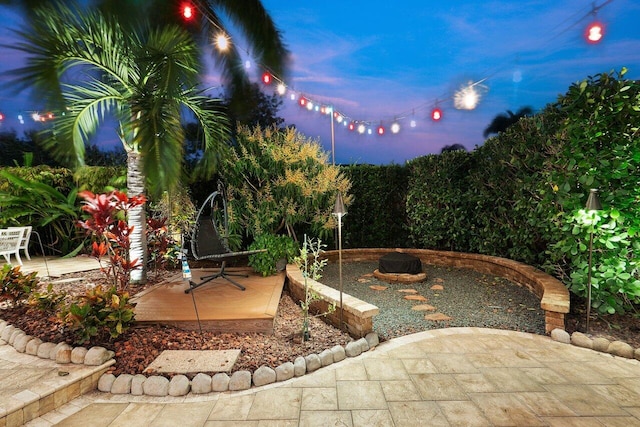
<point x="468" y="297"/>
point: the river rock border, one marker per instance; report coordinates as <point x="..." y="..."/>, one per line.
<point x="180" y="385"/>
<point x="603" y="345"/>
<point x="61" y="353"/>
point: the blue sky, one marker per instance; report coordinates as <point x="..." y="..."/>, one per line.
<point x="379" y="62"/>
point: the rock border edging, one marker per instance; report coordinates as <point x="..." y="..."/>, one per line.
<point x="602" y="345"/>
<point x="179" y="385"/>
<point x="61" y="353"/>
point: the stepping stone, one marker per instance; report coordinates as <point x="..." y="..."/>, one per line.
<point x="361" y="280"/>
<point x="377" y="287"/>
<point x="193" y="361"/>
<point x="437" y="317"/>
<point x="415" y="298"/>
<point x="408" y="291"/>
<point x="368" y="275"/>
<point x="438" y="280"/>
<point x="437" y="288"/>
<point x="423" y="307"/>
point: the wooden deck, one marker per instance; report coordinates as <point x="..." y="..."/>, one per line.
<point x="221" y="306"/>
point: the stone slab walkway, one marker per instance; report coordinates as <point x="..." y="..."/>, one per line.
<point x="446" y="377"/>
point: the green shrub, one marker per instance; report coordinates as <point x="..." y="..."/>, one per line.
<point x="277" y="248"/>
<point x="380" y="193"/>
<point x="44" y="203"/>
<point x="48" y="301"/>
<point x="98" y="313"/>
<point x="16" y="286"/>
<point x="279" y="181"/>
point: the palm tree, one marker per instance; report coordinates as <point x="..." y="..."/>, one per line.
<point x="249" y="16"/>
<point x="501" y="122"/>
<point x="146" y="79"/>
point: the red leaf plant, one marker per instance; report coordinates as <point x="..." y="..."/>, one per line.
<point x="107" y="225"/>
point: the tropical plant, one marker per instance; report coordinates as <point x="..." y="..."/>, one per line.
<point x="502" y="121"/>
<point x="16" y="286"/>
<point x="49" y="301"/>
<point x="111" y="234"/>
<point x="36" y="203"/>
<point x="280" y="182"/>
<point x="98" y="313"/>
<point x="91" y="64"/>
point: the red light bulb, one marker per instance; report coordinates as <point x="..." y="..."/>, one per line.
<point x="380" y="130"/>
<point x="594" y="32"/>
<point x="266" y="78"/>
<point x="436" y="114"/>
<point x="187" y="11"/>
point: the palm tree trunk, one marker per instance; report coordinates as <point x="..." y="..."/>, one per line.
<point x="137" y="217"/>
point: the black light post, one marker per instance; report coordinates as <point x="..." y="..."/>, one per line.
<point x="593" y="204"/>
<point x="339" y="211"/>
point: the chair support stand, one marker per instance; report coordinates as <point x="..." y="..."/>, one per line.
<point x="222" y="273"/>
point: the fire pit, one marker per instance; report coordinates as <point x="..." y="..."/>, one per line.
<point x="400" y="267"/>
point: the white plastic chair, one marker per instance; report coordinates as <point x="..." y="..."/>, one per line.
<point x="24" y="240"/>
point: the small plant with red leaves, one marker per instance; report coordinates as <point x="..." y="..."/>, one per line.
<point x="164" y="252"/>
<point x="110" y="232"/>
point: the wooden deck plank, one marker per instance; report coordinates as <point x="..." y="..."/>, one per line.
<point x="221" y="306"/>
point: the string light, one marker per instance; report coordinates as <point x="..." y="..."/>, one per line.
<point x="222" y="42"/>
<point x="466" y="98"/>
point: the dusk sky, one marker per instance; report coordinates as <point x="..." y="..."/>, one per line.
<point x="379" y="63"/>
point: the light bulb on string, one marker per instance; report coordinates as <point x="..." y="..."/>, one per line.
<point x="309" y="105"/>
<point x="361" y="128"/>
<point x="436" y="114"/>
<point x="380" y="130"/>
<point x="351" y="126"/>
<point x="187" y="11"/>
<point x="468" y="96"/>
<point x="267" y="78"/>
<point x="281" y="89"/>
<point x="395" y="127"/>
<point x="594" y="32"/>
<point x="222" y="42"/>
<point x="412" y="123"/>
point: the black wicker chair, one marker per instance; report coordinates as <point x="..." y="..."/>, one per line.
<point x="209" y="239"/>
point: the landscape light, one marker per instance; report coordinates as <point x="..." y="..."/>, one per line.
<point x="339" y="211"/>
<point x="592" y="205"/>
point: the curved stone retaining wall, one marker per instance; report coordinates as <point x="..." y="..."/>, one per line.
<point x="554" y="296"/>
